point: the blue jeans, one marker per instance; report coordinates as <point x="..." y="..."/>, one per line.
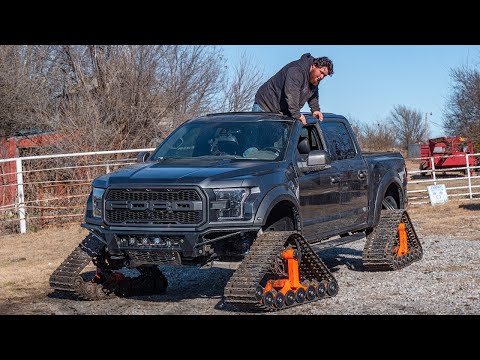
<point x="257" y="108"/>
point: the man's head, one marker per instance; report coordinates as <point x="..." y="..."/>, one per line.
<point x="320" y="68"/>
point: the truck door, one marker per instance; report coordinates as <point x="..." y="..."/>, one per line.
<point x="354" y="174"/>
<point x="319" y="191"/>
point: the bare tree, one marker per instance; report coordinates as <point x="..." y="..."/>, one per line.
<point x="116" y="96"/>
<point x="462" y="114"/>
<point x="377" y="137"/>
<point x="24" y="72"/>
<point x="373" y="137"/>
<point x="356" y="126"/>
<point x="111" y="97"/>
<point x="102" y="97"/>
<point x="240" y="93"/>
<point x="407" y="125"/>
<point x="190" y="79"/>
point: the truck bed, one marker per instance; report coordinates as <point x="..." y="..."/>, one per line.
<point x="394" y="154"/>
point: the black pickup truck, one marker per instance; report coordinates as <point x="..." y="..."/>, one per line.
<point x="245" y="187"/>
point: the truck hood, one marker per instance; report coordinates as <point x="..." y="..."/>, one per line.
<point x="203" y="171"/>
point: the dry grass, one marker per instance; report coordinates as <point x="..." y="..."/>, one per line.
<point x="27" y="261"/>
<point x="453" y="218"/>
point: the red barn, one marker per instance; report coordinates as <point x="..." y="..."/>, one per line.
<point x="12" y="147"/>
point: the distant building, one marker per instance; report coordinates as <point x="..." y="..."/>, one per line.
<point x="413" y="151"/>
<point x="13" y="147"/>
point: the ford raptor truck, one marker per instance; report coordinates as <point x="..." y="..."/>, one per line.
<point x="259" y="189"/>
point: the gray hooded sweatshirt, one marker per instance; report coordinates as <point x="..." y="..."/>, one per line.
<point x="289" y="89"/>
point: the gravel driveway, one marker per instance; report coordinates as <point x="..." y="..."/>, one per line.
<point x="445" y="281"/>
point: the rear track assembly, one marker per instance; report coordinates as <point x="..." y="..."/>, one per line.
<point x="280" y="271"/>
<point x="393" y="244"/>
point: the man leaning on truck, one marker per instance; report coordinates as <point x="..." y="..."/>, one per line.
<point x="290" y="88"/>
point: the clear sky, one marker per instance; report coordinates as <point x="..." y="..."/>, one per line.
<point x="369" y="80"/>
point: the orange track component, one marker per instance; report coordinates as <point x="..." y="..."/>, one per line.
<point x="402" y="234"/>
<point x="293" y="281"/>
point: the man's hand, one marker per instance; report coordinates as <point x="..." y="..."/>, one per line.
<point x="302" y="119"/>
<point x="318" y="115"/>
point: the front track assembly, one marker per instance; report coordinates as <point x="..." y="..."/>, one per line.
<point x="66" y="278"/>
<point x="280" y="271"/>
<point x="393" y="244"/>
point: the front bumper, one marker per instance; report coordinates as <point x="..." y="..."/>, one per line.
<point x="189" y="242"/>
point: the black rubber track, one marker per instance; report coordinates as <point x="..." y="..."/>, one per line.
<point x="379" y="254"/>
<point x="66" y="278"/>
<point x="247" y="280"/>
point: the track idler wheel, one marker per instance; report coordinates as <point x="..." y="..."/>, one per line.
<point x="300" y="295"/>
<point x="311" y="293"/>
<point x="289" y="298"/>
<point x="89" y="290"/>
<point x="332" y="288"/>
<point x="77" y="284"/>
<point x="268" y="298"/>
<point x="259" y="293"/>
<point x="279" y="300"/>
<point x="320" y="290"/>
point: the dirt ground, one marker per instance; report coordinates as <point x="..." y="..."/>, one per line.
<point x="27" y="261"/>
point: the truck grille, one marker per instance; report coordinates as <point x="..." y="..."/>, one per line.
<point x="153" y="194"/>
<point x="153" y="206"/>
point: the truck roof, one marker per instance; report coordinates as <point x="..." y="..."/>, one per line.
<point x="326" y="117"/>
<point x="255" y="116"/>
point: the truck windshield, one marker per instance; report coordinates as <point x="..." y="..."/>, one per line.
<point x="260" y="140"/>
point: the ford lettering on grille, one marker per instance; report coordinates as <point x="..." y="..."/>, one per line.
<point x="154" y="205"/>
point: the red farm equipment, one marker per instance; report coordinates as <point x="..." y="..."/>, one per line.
<point x="447" y="153"/>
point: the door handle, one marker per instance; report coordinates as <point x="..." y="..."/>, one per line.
<point x="334" y="179"/>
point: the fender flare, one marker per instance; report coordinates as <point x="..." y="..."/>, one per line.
<point x="382" y="188"/>
<point x="271" y="199"/>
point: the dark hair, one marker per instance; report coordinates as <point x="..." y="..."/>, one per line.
<point x="324" y="61"/>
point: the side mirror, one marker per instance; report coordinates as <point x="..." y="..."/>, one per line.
<point x="142" y="156"/>
<point x="316" y="160"/>
<point x="319" y="158"/>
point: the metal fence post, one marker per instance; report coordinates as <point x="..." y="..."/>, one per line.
<point x="469" y="178"/>
<point x="433" y="171"/>
<point x="21" y="197"/>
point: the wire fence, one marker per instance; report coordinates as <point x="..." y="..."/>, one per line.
<point x="52" y="189"/>
<point x="461" y="182"/>
<point x="41" y="191"/>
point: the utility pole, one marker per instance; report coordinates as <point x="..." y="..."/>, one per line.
<point x="426" y="127"/>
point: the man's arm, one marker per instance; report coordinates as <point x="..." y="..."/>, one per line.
<point x="314" y="106"/>
<point x="313" y="101"/>
<point x="293" y="84"/>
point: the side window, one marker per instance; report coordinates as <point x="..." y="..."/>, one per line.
<point x="314" y="139"/>
<point x="340" y="145"/>
<point x="309" y="140"/>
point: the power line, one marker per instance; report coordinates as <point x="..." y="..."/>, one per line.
<point x="434" y="123"/>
